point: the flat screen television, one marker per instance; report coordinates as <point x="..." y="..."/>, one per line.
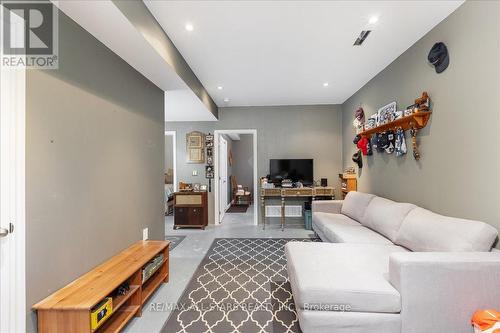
<point x="298" y="170"/>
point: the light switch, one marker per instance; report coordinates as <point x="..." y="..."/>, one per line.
<point x="195" y="172"/>
<point x="145" y="234"/>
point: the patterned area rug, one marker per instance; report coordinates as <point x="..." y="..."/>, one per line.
<point x="240" y="286"/>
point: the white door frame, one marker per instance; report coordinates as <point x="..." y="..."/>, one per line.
<point x="224" y="205"/>
<point x="12" y="199"/>
<point x="174" y="151"/>
<point x="217" y="134"/>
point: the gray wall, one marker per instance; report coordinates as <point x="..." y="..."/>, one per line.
<point x="282" y="132"/>
<point x="94" y="162"/>
<point x="243" y="160"/>
<point x="169" y="152"/>
<point x="457" y="173"/>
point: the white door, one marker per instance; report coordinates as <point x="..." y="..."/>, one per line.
<point x="222" y="177"/>
<point x="12" y="157"/>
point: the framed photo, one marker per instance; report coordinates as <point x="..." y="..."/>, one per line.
<point x="210" y="152"/>
<point x="209" y="138"/>
<point x="386" y="113"/>
<point x="210" y="144"/>
<point x="196" y="155"/>
<point x="209" y="172"/>
<point x="203" y="187"/>
<point x="194" y="140"/>
<point x="210" y="160"/>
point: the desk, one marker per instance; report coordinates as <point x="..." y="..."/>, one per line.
<point x="283" y="193"/>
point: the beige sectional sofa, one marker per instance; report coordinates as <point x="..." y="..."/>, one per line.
<point x="389" y="267"/>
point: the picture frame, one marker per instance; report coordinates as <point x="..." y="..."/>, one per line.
<point x="196" y="156"/>
<point x="209" y="172"/>
<point x="210" y="152"/>
<point x="210" y="160"/>
<point x="203" y="187"/>
<point x="194" y="139"/>
<point x="386" y="113"/>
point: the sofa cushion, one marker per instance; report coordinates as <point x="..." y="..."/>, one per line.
<point x="320" y="220"/>
<point x="353" y="234"/>
<point x="423" y="231"/>
<point x="355" y="204"/>
<point x="385" y="216"/>
<point x="325" y="275"/>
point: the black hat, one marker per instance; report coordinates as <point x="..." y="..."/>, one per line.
<point x="438" y="56"/>
<point x="356" y="139"/>
<point x="358" y="159"/>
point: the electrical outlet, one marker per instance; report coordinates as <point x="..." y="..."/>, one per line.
<point x="195" y="172"/>
<point x="145" y="234"/>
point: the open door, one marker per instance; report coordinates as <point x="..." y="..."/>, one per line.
<point x="223" y="184"/>
<point x="12" y="194"/>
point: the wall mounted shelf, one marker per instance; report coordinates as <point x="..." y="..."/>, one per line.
<point x="416" y="120"/>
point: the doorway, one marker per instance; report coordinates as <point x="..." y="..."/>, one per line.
<point x="170" y="169"/>
<point x="223" y="177"/>
<point x="226" y="182"/>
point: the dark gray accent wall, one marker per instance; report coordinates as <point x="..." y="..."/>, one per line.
<point x="302" y="131"/>
<point x="140" y="16"/>
<point x="457" y="174"/>
<point x="94" y="162"/>
<point x="243" y="160"/>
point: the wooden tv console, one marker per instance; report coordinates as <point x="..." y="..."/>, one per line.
<point x="283" y="193"/>
<point x="68" y="309"/>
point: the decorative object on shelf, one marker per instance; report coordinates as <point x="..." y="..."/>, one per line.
<point x="358" y="159"/>
<point x="423" y="103"/>
<point x="196" y="186"/>
<point x="438" y="57"/>
<point x="350" y="170"/>
<point x="386" y="113"/>
<point x="195" y="147"/>
<point x="359" y="120"/>
<point x="371" y="122"/>
<point x="203" y="187"/>
<point x="185" y="187"/>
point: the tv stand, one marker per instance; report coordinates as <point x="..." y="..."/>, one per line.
<point x="283" y="193"/>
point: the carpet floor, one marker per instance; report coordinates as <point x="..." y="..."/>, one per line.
<point x="240" y="286"/>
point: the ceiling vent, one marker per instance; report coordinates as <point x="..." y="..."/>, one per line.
<point x="362" y="36"/>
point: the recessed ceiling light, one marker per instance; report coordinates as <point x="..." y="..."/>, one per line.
<point x="373" y="20"/>
<point x="189" y="27"/>
<point x="226" y="99"/>
<point x="325" y="84"/>
<point x="219" y="88"/>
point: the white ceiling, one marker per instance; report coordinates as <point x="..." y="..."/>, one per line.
<point x="281" y="52"/>
<point x="103" y="19"/>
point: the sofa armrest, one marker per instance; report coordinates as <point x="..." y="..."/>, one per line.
<point x="327" y="206"/>
<point x="440" y="291"/>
